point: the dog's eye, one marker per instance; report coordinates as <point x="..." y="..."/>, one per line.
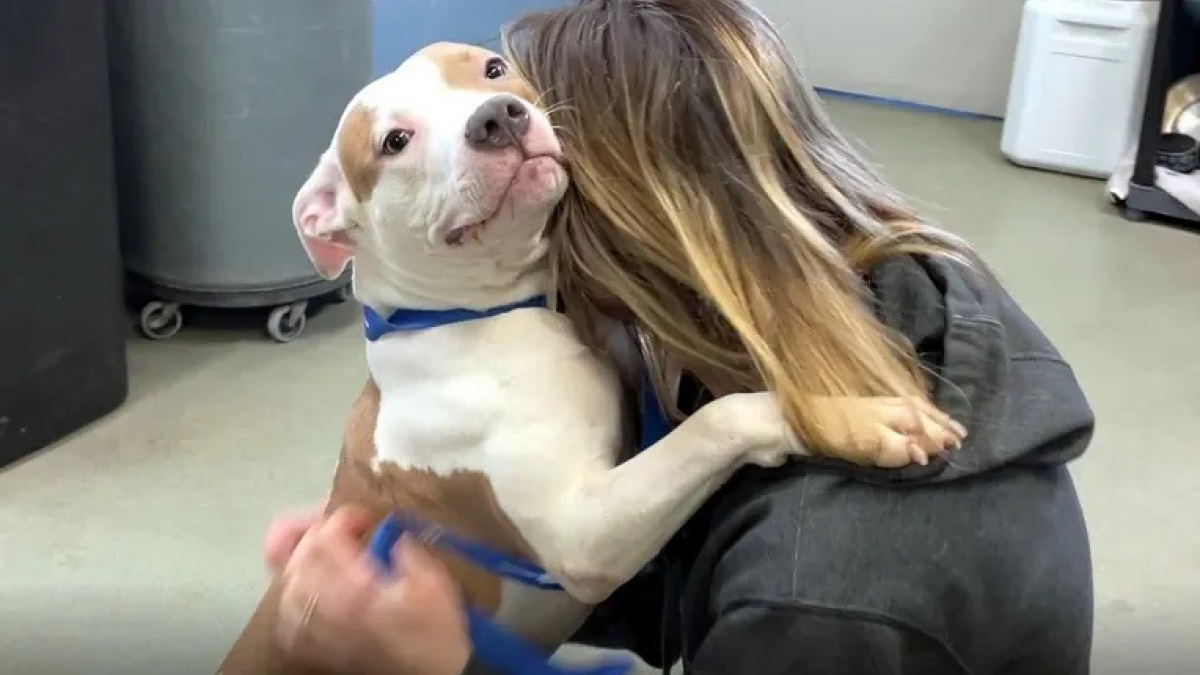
<point x="495" y="69"/>
<point x="395" y="142"/>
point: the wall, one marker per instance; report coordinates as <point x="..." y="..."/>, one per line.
<point x="955" y="54"/>
<point x="404" y="26"/>
<point x="949" y="53"/>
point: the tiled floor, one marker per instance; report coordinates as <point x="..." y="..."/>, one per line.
<point x="138" y="538"/>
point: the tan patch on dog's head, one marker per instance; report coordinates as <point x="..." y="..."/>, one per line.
<point x="356" y="152"/>
<point x="463" y="67"/>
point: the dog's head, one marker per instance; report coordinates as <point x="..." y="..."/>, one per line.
<point x="441" y="173"/>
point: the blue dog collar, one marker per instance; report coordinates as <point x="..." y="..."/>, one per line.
<point x="377" y="326"/>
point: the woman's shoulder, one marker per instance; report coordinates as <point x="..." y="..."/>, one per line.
<point x="913" y="294"/>
<point x="913" y="281"/>
<point x="927" y="297"/>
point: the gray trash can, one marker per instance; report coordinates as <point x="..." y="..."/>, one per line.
<point x="221" y="108"/>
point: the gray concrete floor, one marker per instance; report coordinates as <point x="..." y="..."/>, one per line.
<point x="138" y="538"/>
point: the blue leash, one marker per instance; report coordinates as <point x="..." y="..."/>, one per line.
<point x="491" y="643"/>
<point x="494" y="561"/>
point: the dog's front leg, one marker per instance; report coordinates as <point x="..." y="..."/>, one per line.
<point x="612" y="523"/>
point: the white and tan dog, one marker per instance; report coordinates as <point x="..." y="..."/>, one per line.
<point x="506" y="430"/>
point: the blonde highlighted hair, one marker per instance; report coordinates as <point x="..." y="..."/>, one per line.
<point x="714" y="202"/>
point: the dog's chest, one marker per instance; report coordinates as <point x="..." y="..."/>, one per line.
<point x="446" y="392"/>
<point x="478" y="428"/>
<point x="433" y="416"/>
<point x="461" y="501"/>
<point x="437" y="422"/>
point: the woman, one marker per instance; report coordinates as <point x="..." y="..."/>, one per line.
<point x="717" y="210"/>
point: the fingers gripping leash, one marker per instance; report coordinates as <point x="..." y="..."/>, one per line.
<point x="492" y="644"/>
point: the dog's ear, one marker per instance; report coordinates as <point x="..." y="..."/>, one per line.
<point x="319" y="222"/>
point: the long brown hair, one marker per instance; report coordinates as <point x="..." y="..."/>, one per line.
<point x="713" y="199"/>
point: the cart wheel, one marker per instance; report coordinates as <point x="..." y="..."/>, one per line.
<point x="1134" y="215"/>
<point x="286" y="322"/>
<point x="343" y="294"/>
<point x="160" y="320"/>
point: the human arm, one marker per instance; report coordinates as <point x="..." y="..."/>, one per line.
<point x="284" y="534"/>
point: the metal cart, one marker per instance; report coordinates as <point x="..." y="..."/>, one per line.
<point x="1145" y="197"/>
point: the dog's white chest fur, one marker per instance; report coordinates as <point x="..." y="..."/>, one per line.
<point x="489" y="396"/>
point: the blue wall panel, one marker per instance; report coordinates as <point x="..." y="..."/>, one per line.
<point x="404" y="26"/>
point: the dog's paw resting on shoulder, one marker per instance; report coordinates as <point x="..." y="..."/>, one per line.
<point x="870" y="431"/>
<point x="887" y="432"/>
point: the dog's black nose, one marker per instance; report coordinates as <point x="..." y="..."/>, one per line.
<point x="499" y="123"/>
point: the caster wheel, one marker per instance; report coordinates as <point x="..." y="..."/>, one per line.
<point x="1134" y="215"/>
<point x="160" y="320"/>
<point x="286" y="322"/>
<point x="343" y="294"/>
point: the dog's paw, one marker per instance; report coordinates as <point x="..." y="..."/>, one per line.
<point x="772" y="457"/>
<point x="890" y="432"/>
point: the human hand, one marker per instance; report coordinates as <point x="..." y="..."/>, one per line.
<point x="285" y="532"/>
<point x="339" y="610"/>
